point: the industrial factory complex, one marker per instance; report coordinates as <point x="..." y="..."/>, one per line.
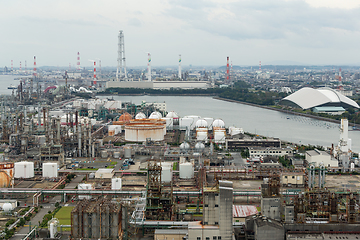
<point x="76" y="164"/>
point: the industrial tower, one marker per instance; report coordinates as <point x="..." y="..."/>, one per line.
<point x="121" y="57"/>
<point x="149" y="67"/>
<point x="180" y="66"/>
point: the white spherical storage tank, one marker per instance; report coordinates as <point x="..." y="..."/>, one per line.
<point x="50" y="170"/>
<point x="186" y="170"/>
<point x="172" y="115"/>
<point x="209" y="122"/>
<point x="7" y="207"/>
<point x="24" y="170"/>
<point x="141" y="130"/>
<point x="116" y="184"/>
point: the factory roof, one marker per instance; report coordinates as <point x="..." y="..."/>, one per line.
<point x="261" y="221"/>
<point x="171" y="231"/>
<point x="316" y="153"/>
<point x="240" y="211"/>
<point x="307" y="98"/>
<point x="105" y="170"/>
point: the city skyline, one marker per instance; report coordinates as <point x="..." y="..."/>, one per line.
<point x="203" y="32"/>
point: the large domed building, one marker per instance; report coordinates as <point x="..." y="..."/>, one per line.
<point x="308" y="98"/>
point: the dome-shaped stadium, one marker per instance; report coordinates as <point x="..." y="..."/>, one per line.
<point x="307" y="98"/>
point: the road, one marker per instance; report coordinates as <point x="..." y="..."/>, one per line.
<point x="23" y="231"/>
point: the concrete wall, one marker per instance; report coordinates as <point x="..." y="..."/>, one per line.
<point x="268" y="232"/>
<point x="270" y="207"/>
<point x="116" y="84"/>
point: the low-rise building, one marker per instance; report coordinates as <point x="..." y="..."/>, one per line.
<point x="104" y="173"/>
<point x="269" y="151"/>
<point x="292" y="179"/>
<point x="317" y="158"/>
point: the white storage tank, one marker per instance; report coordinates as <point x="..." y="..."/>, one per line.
<point x="199" y="147"/>
<point x="184" y="146"/>
<point x="114" y="129"/>
<point x="194" y="118"/>
<point x="218" y="123"/>
<point x="127" y="152"/>
<point x="116" y="184"/>
<point x="166" y="174"/>
<point x="172" y="115"/>
<point x="24" y="170"/>
<point x="219" y="136"/>
<point x="209" y="122"/>
<point x="140" y="115"/>
<point x="50" y="170"/>
<point x="202" y="134"/>
<point x="116" y="154"/>
<point x="201" y="123"/>
<point x="186" y="170"/>
<point x="85" y="186"/>
<point x="7" y="207"/>
<point x="185" y="122"/>
<point x="53" y="225"/>
<point x="155" y="115"/>
<point x="169" y="122"/>
<point x="104" y="154"/>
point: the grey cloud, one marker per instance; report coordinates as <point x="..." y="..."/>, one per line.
<point x="258" y="19"/>
<point x="134" y="22"/>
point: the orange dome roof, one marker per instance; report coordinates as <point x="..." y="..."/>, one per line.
<point x="126" y="117"/>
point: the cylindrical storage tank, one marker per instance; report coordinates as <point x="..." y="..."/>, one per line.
<point x="186" y="170"/>
<point x="218" y="123"/>
<point x="7" y="207"/>
<point x="52" y="225"/>
<point x="104" y="154"/>
<point x="85" y="186"/>
<point x="6" y="174"/>
<point x="352" y="166"/>
<point x="140" y="115"/>
<point x="219" y="136"/>
<point x="194" y="118"/>
<point x="202" y="134"/>
<point x="50" y="170"/>
<point x="209" y="122"/>
<point x="166" y="174"/>
<point x="111" y="130"/>
<point x="24" y="170"/>
<point x="127" y="152"/>
<point x="116" y="184"/>
<point x="185" y="122"/>
<point x="116" y="154"/>
<point x="169" y="122"/>
<point x="141" y="131"/>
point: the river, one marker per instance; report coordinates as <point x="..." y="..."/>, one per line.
<point x="256" y="120"/>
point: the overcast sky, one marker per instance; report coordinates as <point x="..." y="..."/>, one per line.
<point x="204" y="32"/>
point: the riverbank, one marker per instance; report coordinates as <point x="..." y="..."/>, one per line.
<point x="284" y="111"/>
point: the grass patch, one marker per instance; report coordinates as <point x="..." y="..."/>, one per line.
<point x="87" y="169"/>
<point x="113" y="163"/>
<point x="64" y="217"/>
<point x="110" y="166"/>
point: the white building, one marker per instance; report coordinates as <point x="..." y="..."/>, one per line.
<point x="270" y="151"/>
<point x="104" y="173"/>
<point x="318" y="157"/>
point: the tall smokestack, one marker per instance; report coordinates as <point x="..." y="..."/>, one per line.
<point x="149" y="67"/>
<point x="180" y="66"/>
<point x="78" y="61"/>
<point x="259" y="66"/>
<point x="25" y="67"/>
<point x="94" y="72"/>
<point x="20" y="66"/>
<point x="35" y="73"/>
<point x="227" y="69"/>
